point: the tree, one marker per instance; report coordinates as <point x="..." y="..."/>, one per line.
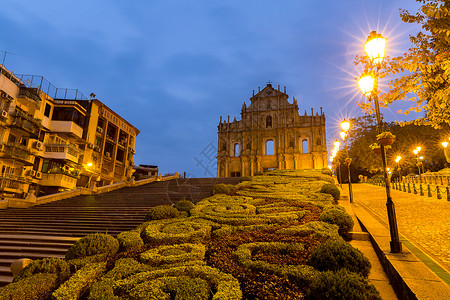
<point x="364" y="161"/>
<point x="423" y="72"/>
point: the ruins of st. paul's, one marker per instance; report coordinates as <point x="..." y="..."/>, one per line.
<point x="271" y="135"/>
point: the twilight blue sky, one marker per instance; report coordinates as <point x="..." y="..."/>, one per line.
<point x="173" y="67"/>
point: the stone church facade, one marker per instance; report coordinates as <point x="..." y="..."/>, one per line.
<point x="271" y="135"/>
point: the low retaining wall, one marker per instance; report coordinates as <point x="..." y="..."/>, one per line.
<point x="24" y="203"/>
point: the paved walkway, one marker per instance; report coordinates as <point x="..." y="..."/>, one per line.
<point x="423" y="221"/>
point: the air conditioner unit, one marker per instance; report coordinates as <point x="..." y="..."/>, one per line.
<point x="32" y="173"/>
<point x="90" y="146"/>
<point x="38" y="175"/>
<point x="38" y="145"/>
<point x="4" y="114"/>
<point x="107" y="154"/>
<point x="99" y="129"/>
<point x="66" y="168"/>
<point x="97" y="148"/>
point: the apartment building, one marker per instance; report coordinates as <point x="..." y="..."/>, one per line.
<point x="53" y="139"/>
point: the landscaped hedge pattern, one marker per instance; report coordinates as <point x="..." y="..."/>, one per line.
<point x="261" y="240"/>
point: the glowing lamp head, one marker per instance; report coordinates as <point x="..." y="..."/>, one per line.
<point x="415" y="151"/>
<point x="421" y="158"/>
<point x="337" y="144"/>
<point x="334" y="152"/>
<point x="331" y="159"/>
<point x="345" y="125"/>
<point x="89" y="164"/>
<point x="418" y="149"/>
<point x="366" y="83"/>
<point x="343" y="134"/>
<point x="397" y="159"/>
<point x="375" y="47"/>
<point x="444" y="144"/>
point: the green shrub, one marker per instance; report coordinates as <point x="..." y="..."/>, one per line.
<point x="327" y="171"/>
<point x="93" y="244"/>
<point x="246" y="178"/>
<point x="173" y="254"/>
<point x="176" y="231"/>
<point x="224" y="286"/>
<point x="180" y="288"/>
<point x="336" y="254"/>
<point x="30" y="288"/>
<point x="316" y="228"/>
<point x="130" y="240"/>
<point x="341" y="285"/>
<point x="332" y="190"/>
<point x="340" y="218"/>
<point x="184" y="205"/>
<point x="161" y="212"/>
<point x="222" y="188"/>
<point x="79" y="282"/>
<point x="50" y="265"/>
<point x="78" y="263"/>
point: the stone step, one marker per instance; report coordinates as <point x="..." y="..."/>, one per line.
<point x="52" y="238"/>
<point x="22" y="249"/>
<point x="34" y="243"/>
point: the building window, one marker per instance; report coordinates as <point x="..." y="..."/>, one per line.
<point x="305" y="146"/>
<point x="269" y="121"/>
<point x="270" y="148"/>
<point x="47" y="110"/>
<point x="236" y="149"/>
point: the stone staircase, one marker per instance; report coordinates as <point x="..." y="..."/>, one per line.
<point x="50" y="229"/>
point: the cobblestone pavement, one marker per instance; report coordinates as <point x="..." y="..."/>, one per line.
<point x="422" y="220"/>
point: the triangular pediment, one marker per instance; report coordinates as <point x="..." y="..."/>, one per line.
<point x="268" y="91"/>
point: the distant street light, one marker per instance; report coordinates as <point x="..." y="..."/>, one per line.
<point x="416" y="152"/>
<point x="345" y="125"/>
<point x="397" y="160"/>
<point x="375" y="48"/>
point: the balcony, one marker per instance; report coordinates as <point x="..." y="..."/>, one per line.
<point x="68" y="127"/>
<point x="26" y="123"/>
<point x="17" y="152"/>
<point x="13" y="183"/>
<point x="59" y="179"/>
<point x="31" y="95"/>
<point x="62" y="151"/>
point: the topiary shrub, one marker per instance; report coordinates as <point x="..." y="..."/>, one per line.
<point x="174" y="254"/>
<point x="336" y="254"/>
<point x="184" y="205"/>
<point x="339" y="217"/>
<point x="332" y="190"/>
<point x="30" y="288"/>
<point x="161" y="212"/>
<point x="93" y="244"/>
<point x="327" y="171"/>
<point x="222" y="188"/>
<point x="130" y="240"/>
<point x="341" y="285"/>
<point x="315" y="228"/>
<point x="246" y="178"/>
<point x="50" y="265"/>
<point x="79" y="282"/>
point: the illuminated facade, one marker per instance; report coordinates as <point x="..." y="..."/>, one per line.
<point x="271" y="135"/>
<point x="53" y="140"/>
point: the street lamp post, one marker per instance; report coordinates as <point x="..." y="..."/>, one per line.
<point x="397" y="160"/>
<point x="416" y="152"/>
<point x="375" y="48"/>
<point x="345" y="125"/>
<point x="337" y="144"/>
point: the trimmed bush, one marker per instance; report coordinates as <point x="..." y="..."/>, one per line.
<point x="341" y="285"/>
<point x="222" y="188"/>
<point x="223" y="286"/>
<point x="244" y="252"/>
<point x="79" y="282"/>
<point x="50" y="265"/>
<point x="246" y="178"/>
<point x="130" y="240"/>
<point x="123" y="268"/>
<point x="161" y="212"/>
<point x="184" y="205"/>
<point x="327" y="171"/>
<point x="339" y="217"/>
<point x="165" y="255"/>
<point x="332" y="190"/>
<point x="78" y="263"/>
<point x="180" y="288"/>
<point x="93" y="244"/>
<point x="336" y="254"/>
<point x="316" y="228"/>
<point x="176" y="231"/>
<point x="30" y="288"/>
